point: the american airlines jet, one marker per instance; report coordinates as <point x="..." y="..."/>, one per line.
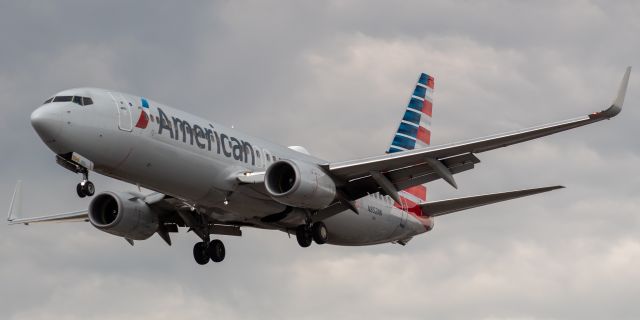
<point x="215" y="180"/>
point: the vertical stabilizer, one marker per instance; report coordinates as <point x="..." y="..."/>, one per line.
<point x="414" y="132"/>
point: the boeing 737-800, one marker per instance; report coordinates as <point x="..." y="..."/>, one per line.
<point x="216" y="180"/>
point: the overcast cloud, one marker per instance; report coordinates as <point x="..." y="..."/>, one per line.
<point x="335" y="77"/>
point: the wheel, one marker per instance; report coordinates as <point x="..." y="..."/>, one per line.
<point x="200" y="253"/>
<point x="216" y="250"/>
<point x="319" y="233"/>
<point x="88" y="188"/>
<point x="303" y="235"/>
<point x="80" y="191"/>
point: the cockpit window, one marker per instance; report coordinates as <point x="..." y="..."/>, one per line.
<point x="62" y="98"/>
<point x="82" y="101"/>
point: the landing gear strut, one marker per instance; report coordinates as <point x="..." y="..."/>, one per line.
<point x="207" y="249"/>
<point x="203" y="251"/>
<point x="308" y="233"/>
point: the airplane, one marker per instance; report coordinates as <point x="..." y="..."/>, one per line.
<point x="215" y="180"/>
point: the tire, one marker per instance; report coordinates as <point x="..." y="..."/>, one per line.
<point x="200" y="253"/>
<point x="319" y="233"/>
<point x="216" y="250"/>
<point x="80" y="191"/>
<point x="88" y="188"/>
<point x="303" y="235"/>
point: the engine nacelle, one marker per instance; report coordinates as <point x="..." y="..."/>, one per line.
<point x="124" y="215"/>
<point x="299" y="184"/>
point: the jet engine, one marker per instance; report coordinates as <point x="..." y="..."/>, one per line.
<point x="124" y="215"/>
<point x="299" y="184"/>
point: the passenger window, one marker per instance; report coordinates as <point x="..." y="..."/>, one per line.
<point x="86" y="101"/>
<point x="62" y="99"/>
<point x="77" y="100"/>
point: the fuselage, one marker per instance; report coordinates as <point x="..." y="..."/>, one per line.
<point x="152" y="145"/>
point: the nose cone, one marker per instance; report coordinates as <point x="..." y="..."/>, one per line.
<point x="47" y="123"/>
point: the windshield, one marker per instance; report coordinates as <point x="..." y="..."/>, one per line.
<point x="82" y="101"/>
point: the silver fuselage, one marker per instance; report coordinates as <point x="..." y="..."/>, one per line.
<point x="197" y="161"/>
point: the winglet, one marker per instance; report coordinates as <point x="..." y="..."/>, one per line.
<point x="616" y="106"/>
<point x="14" y="207"/>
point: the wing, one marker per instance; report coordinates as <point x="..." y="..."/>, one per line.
<point x="405" y="169"/>
<point x="14" y="209"/>
<point x="153" y="199"/>
<point x="442" y="207"/>
<point x="74" y="216"/>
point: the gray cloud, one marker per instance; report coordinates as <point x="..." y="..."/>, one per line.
<point x="335" y="76"/>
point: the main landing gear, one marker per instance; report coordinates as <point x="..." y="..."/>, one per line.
<point x="203" y="251"/>
<point x="85" y="188"/>
<point x="308" y="233"/>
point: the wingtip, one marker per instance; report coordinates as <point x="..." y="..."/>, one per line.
<point x="551" y="188"/>
<point x="616" y="106"/>
<point x="14" y="207"/>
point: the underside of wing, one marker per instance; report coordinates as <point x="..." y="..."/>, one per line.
<point x="438" y="208"/>
<point x="409" y="168"/>
<point x="409" y="176"/>
<point x="14" y="212"/>
<point x="76" y="216"/>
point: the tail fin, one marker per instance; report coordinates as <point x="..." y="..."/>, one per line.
<point x="414" y="132"/>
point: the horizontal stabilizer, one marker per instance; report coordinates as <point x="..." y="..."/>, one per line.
<point x="438" y="208"/>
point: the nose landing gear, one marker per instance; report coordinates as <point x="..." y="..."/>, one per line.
<point x="85" y="188"/>
<point x="77" y="164"/>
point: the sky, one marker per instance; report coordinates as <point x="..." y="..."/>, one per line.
<point x="335" y="77"/>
